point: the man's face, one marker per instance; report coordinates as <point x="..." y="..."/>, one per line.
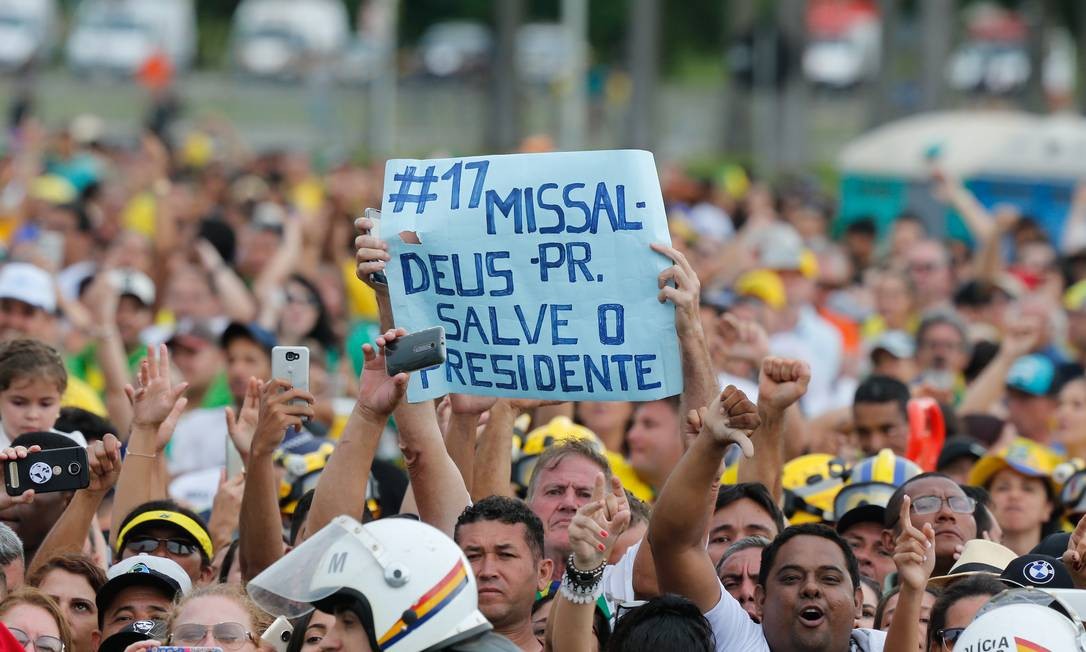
<point x="508" y="574"/>
<point x="14" y="573"/>
<point x="952" y="530"/>
<point x="346" y="634"/>
<point x="135" y="603"/>
<point x="809" y="601"/>
<point x="191" y="563"/>
<point x="559" y="493"/>
<point x="741" y="518"/>
<point x="927" y="267"/>
<point x="75" y="596"/>
<point x="198" y="364"/>
<point x="942" y="348"/>
<point x="739" y="575"/>
<point x="654" y="442"/>
<point x="865" y="539"/>
<point x="19" y="319"/>
<point x="1031" y="415"/>
<point x="245" y="359"/>
<point x="880" y="425"/>
<point x="132" y="319"/>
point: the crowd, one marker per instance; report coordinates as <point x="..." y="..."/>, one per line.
<point x="880" y="443"/>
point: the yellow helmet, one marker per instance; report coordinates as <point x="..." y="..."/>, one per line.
<point x="810" y="483"/>
<point x="561" y="429"/>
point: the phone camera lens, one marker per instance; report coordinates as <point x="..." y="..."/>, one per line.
<point x="74" y="468"/>
<point x="292" y="356"/>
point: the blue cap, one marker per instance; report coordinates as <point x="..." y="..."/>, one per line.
<point x="1032" y="374"/>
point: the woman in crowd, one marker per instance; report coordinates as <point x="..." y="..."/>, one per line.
<point x="955" y="608"/>
<point x="72" y="581"/>
<point x="35" y="620"/>
<point x="218" y="615"/>
<point x="310" y="630"/>
<point x="1019" y="479"/>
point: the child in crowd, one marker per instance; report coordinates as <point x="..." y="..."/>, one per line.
<point x="32" y="381"/>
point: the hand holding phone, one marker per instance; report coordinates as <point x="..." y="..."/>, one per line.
<point x="291" y="363"/>
<point x="373" y="257"/>
<point x="419" y="350"/>
<point x="58" y="469"/>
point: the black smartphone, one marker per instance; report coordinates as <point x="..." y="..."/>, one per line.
<point x="58" y="469"/>
<point x="419" y="350"/>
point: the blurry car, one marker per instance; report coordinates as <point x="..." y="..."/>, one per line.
<point x="544" y="52"/>
<point x="26" y="32"/>
<point x="281" y="39"/>
<point x="455" y="48"/>
<point x="359" y="62"/>
<point x="119" y="36"/>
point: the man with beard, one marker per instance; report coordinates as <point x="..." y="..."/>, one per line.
<point x="503" y="541"/>
<point x="808" y="592"/>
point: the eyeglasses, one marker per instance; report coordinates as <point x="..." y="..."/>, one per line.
<point x="932" y="504"/>
<point x="177" y="547"/>
<point x="950" y="636"/>
<point x="230" y="636"/>
<point x="41" y="644"/>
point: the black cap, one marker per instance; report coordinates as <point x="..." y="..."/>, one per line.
<point x="136" y="631"/>
<point x="253" y="332"/>
<point x="861" y="514"/>
<point x="1054" y="545"/>
<point x="1041" y="571"/>
<point x="957" y="447"/>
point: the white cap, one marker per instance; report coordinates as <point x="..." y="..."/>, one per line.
<point x="29" y="284"/>
<point x="161" y="565"/>
<point x="135" y="283"/>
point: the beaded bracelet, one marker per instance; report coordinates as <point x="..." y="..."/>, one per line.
<point x="582" y="587"/>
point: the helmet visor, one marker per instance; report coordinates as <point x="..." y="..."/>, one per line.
<point x="322" y="565"/>
<point x="858" y="495"/>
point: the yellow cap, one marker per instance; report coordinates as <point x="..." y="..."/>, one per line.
<point x="1023" y="455"/>
<point x="762" y="284"/>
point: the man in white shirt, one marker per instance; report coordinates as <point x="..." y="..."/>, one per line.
<point x="808" y="593"/>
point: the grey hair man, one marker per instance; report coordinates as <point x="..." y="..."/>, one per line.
<point x="738" y="571"/>
<point x="12" y="562"/>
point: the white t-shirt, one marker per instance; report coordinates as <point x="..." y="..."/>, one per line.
<point x="736" y="632"/>
<point x="618" y="578"/>
<point x="198" y="442"/>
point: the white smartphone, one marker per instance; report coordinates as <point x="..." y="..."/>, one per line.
<point x="51" y="246"/>
<point x="278" y="634"/>
<point x="291" y="363"/>
<point x="374" y="216"/>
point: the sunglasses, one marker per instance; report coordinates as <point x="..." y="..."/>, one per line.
<point x="950" y="636"/>
<point x="41" y="644"/>
<point x="230" y="636"/>
<point x="146" y="545"/>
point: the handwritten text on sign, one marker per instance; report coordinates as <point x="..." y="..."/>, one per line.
<point x="538" y="267"/>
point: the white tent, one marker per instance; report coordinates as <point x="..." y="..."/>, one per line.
<point x="971" y="144"/>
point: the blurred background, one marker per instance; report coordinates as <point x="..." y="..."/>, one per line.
<point x="778" y="85"/>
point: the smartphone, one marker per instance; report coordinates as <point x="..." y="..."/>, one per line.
<point x="178" y="648"/>
<point x="291" y="363"/>
<point x="51" y="246"/>
<point x="374" y="216"/>
<point x="234" y="463"/>
<point x="419" y="350"/>
<point x="277" y="635"/>
<point x="58" y="469"/>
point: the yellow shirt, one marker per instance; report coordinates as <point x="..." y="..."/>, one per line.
<point x="79" y="394"/>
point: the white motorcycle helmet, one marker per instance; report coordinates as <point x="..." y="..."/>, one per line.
<point x="409" y="584"/>
<point x="1024" y="619"/>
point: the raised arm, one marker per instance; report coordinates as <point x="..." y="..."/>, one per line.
<point x="595" y="528"/>
<point x="977" y="219"/>
<point x="234" y="296"/>
<point x="914" y="556"/>
<point x="1074" y="227"/>
<point x="460" y="434"/>
<point x="494" y="453"/>
<point x="157" y="404"/>
<point x="781" y="384"/>
<point x="699" y="381"/>
<point x="989" y="386"/>
<point x="680" y="517"/>
<point x="70" y="531"/>
<point x="438" y="487"/>
<point x="260" y="540"/>
<point x="339" y="489"/>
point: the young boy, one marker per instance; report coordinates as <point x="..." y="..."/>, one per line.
<point x="32" y="381"/>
